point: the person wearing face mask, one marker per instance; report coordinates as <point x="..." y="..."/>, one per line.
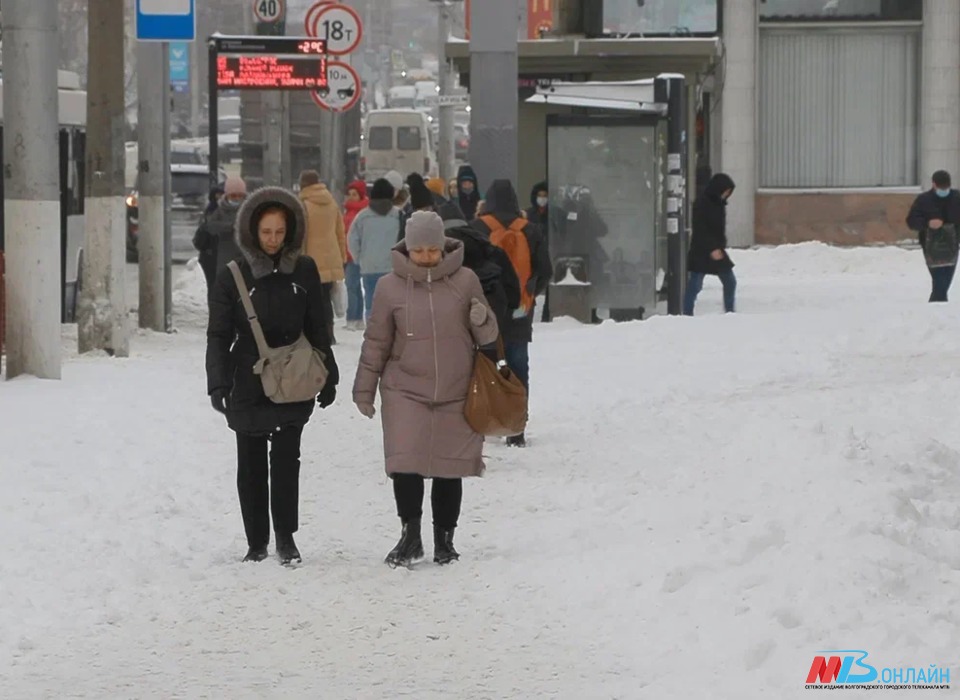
<point x="935" y="215"/>
<point x="708" y="244"/>
<point x="539" y="214"/>
<point x="429" y="317"/>
<point x="289" y="300"/>
<point x="214" y="237"/>
<point x="468" y="195"/>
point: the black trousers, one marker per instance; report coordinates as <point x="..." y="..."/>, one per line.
<point x="257" y="498"/>
<point x="446" y="496"/>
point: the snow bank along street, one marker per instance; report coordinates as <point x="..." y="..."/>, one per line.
<point x="705" y="505"/>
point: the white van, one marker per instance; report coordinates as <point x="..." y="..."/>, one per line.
<point x="398" y="139"/>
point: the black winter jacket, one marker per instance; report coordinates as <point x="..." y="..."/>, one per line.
<point x="710" y="228"/>
<point x="929" y="206"/>
<point x="490" y="263"/>
<point x="288" y="298"/>
<point x="502" y="204"/>
<point x="216" y="236"/>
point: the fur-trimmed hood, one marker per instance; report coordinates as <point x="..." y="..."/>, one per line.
<point x="262" y="264"/>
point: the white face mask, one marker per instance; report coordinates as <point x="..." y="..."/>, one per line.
<point x="542" y="202"/>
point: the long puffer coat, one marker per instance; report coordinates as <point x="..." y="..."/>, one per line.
<point x="710" y="228"/>
<point x="420" y="347"/>
<point x="288" y="299"/>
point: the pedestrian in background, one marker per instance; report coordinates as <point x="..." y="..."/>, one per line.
<point x="326" y="239"/>
<point x="935" y="215"/>
<point x="708" y="244"/>
<point x="356" y="202"/>
<point x="371" y="239"/>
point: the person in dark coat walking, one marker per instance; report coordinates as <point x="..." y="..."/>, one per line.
<point x="708" y="244"/>
<point x="532" y="267"/>
<point x="214" y="238"/>
<point x="935" y="215"/>
<point x="289" y="301"/>
<point x="539" y="214"/>
<point x="490" y="264"/>
<point x="468" y="191"/>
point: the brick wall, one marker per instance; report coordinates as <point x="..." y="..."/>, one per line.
<point x="840" y="219"/>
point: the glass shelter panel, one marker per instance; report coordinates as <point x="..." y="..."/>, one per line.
<point x="606" y="202"/>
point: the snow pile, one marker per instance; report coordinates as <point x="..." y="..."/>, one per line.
<point x="705" y="505"/>
<point x="190" y="296"/>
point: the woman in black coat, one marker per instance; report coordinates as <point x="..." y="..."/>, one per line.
<point x="289" y="300"/>
<point x="708" y="244"/>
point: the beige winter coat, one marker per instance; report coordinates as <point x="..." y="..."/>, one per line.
<point x="326" y="240"/>
<point x="420" y="347"/>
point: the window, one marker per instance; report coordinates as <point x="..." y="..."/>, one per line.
<point x="408" y="138"/>
<point x="838" y="108"/>
<point x="381" y="138"/>
<point x="656" y="17"/>
<point x="827" y="10"/>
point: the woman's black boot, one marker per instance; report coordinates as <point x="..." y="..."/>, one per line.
<point x="410" y="547"/>
<point x="443" y="551"/>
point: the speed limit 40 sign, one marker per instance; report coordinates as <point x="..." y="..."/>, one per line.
<point x="268" y="11"/>
<point x="339" y="25"/>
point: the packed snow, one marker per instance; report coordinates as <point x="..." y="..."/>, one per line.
<point x="705" y="504"/>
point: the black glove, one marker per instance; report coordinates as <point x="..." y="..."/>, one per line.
<point x="218" y="399"/>
<point x="327" y="396"/>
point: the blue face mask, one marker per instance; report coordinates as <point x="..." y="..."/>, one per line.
<point x="943" y="194"/>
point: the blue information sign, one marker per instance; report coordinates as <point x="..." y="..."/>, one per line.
<point x="166" y="20"/>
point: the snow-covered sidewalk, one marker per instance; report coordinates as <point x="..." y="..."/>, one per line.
<point x="706" y="504"/>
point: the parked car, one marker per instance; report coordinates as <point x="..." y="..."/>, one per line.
<point x="189" y="189"/>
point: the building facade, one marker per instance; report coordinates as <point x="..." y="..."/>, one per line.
<point x="832" y="115"/>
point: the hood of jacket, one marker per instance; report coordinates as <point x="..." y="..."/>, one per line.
<point x="381" y="207"/>
<point x="406" y="268"/>
<point x="466" y="172"/>
<point x="502" y="202"/>
<point x="318" y="194"/>
<point x="361" y="187"/>
<point x="719" y="183"/>
<point x="452" y="215"/>
<point x="539" y="187"/>
<point x="246" y="236"/>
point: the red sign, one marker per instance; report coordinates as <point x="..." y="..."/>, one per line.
<point x="271" y="72"/>
<point x="539" y="17"/>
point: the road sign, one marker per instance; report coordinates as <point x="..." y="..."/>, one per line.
<point x="453" y="100"/>
<point x="166" y="20"/>
<point x="343" y="88"/>
<point x="180" y="66"/>
<point x="268" y="11"/>
<point x="340" y="26"/>
<point x="312" y="14"/>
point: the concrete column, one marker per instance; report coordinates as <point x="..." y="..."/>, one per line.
<point x="493" y="90"/>
<point x="739" y="118"/>
<point x="940" y="89"/>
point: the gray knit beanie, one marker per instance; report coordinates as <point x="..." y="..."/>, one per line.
<point x="424" y="230"/>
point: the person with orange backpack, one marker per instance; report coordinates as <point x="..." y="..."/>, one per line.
<point x="503" y="224"/>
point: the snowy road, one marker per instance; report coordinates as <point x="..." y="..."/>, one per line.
<point x="706" y="504"/>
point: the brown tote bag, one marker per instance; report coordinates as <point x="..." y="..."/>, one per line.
<point x="496" y="401"/>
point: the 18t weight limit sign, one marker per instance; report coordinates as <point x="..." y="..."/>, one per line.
<point x="340" y="26"/>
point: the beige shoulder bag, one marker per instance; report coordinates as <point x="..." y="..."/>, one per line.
<point x="291" y="374"/>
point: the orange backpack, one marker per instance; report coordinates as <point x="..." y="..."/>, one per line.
<point x="514" y="242"/>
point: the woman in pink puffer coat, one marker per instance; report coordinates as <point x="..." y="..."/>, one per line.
<point x="428" y="318"/>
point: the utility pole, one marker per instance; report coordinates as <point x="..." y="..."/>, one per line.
<point x="272" y="137"/>
<point x="328" y="149"/>
<point x="447" y="153"/>
<point x="197" y="57"/>
<point x="32" y="188"/>
<point x="494" y="25"/>
<point x="152" y="168"/>
<point x="103" y="310"/>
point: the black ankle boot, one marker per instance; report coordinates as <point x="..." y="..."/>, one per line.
<point x="287" y="549"/>
<point x="517" y="440"/>
<point x="410" y="547"/>
<point x="258" y="553"/>
<point x="443" y="551"/>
